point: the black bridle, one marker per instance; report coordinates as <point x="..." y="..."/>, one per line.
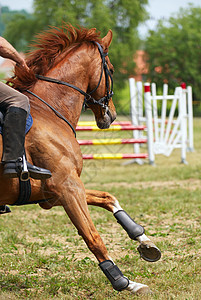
<point x="104" y="100"/>
<point x="88" y="99"/>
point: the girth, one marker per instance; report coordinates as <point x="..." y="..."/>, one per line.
<point x="25" y="194"/>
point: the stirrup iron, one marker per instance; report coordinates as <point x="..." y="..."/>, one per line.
<point x="24" y="175"/>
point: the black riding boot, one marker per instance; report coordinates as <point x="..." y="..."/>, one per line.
<point x="13" y="146"/>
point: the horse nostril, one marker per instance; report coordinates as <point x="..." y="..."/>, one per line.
<point x="111" y="115"/>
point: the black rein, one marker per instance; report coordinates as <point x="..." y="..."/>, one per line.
<point x="54" y="110"/>
<point x="88" y="98"/>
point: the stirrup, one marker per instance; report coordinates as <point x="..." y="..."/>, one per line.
<point x="38" y="173"/>
<point x="12" y="168"/>
<point x="24" y="175"/>
<point x="16" y="168"/>
<point x="28" y="170"/>
<point x="24" y="170"/>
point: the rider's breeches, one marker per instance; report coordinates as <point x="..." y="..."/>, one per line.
<point x="12" y="98"/>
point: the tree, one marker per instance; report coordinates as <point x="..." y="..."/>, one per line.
<point x="6" y="15"/>
<point x="174" y="50"/>
<point x="122" y="16"/>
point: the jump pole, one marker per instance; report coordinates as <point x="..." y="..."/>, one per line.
<point x="189" y="116"/>
<point x="183" y="112"/>
<point x="115" y="156"/>
<point x="112" y="128"/>
<point x="111" y="141"/>
<point x="93" y="123"/>
<point x="117" y="127"/>
<point x="148" y="112"/>
<point x="135" y="117"/>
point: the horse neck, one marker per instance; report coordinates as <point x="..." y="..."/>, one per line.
<point x="71" y="69"/>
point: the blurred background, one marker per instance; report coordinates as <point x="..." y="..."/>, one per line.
<point x="153" y="41"/>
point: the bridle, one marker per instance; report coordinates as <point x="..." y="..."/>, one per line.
<point x="88" y="99"/>
<point x="104" y="100"/>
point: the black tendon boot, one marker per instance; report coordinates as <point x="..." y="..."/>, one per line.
<point x="13" y="146"/>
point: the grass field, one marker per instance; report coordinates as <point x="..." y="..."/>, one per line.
<point x="42" y="256"/>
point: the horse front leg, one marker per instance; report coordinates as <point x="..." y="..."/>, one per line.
<point x="72" y="197"/>
<point x="148" y="251"/>
<point x="74" y="203"/>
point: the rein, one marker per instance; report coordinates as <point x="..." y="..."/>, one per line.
<point x="54" y="110"/>
<point x="103" y="102"/>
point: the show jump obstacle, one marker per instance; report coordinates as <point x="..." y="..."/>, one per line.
<point x="163" y="132"/>
<point x="169" y="118"/>
<point x="117" y="126"/>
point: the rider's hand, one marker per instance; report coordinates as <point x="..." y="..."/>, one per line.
<point x="23" y="64"/>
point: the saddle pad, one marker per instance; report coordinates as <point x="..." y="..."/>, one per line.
<point x="28" y="124"/>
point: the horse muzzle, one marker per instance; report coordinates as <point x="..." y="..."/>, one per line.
<point x="107" y="119"/>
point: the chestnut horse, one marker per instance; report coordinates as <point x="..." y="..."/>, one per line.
<point x="68" y="67"/>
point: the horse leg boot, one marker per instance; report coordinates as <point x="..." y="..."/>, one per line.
<point x="74" y="202"/>
<point x="148" y="251"/>
<point x="13" y="146"/>
<point x="119" y="281"/>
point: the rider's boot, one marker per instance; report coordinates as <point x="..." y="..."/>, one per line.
<point x="4" y="209"/>
<point x="13" y="146"/>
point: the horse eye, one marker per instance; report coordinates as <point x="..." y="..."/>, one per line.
<point x="111" y="71"/>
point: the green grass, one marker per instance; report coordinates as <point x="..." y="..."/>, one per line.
<point x="43" y="257"/>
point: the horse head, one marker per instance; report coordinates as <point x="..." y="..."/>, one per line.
<point x="101" y="85"/>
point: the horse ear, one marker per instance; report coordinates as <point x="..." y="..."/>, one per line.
<point x="92" y="30"/>
<point x="106" y="41"/>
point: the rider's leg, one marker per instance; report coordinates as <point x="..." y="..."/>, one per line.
<point x="16" y="108"/>
<point x="4" y="209"/>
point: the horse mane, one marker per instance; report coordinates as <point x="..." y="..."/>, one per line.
<point x="48" y="46"/>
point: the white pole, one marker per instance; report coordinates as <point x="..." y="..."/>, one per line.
<point x="134" y="116"/>
<point x="155" y="112"/>
<point x="140" y="101"/>
<point x="148" y="111"/>
<point x="190" y="118"/>
<point x="182" y="106"/>
<point x="163" y="112"/>
<point x="141" y="118"/>
<point x="177" y="95"/>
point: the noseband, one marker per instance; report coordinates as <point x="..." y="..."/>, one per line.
<point x="88" y="98"/>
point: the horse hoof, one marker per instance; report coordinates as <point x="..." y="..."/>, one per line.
<point x="138" y="288"/>
<point x="145" y="290"/>
<point x="148" y="251"/>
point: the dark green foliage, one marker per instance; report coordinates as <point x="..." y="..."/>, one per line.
<point x="122" y="16"/>
<point x="175" y="47"/>
<point x="7" y="15"/>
